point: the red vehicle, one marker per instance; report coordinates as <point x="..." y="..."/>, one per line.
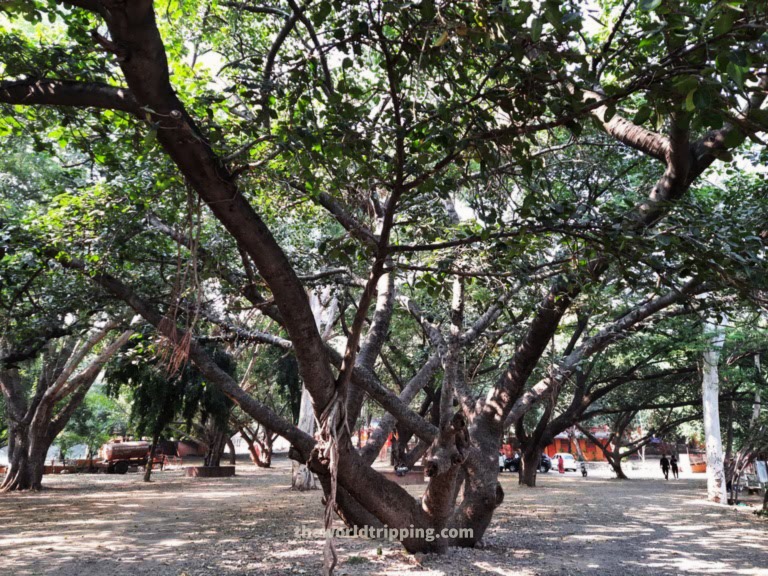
<point x="119" y="456"/>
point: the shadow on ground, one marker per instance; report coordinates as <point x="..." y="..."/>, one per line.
<point x="176" y="526"/>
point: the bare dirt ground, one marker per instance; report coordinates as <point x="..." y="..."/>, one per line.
<point x="175" y="526"/>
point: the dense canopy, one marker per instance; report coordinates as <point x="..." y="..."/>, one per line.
<point x="466" y="218"/>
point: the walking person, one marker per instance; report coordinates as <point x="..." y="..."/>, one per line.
<point x="673" y="465"/>
<point x="665" y="466"/>
<point x="560" y="465"/>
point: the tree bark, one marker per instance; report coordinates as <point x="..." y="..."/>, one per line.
<point x="253" y="449"/>
<point x="27" y="450"/>
<point x="259" y="450"/>
<point x="710" y="392"/>
<point x="151" y="458"/>
<point x="615" y="461"/>
<point x="302" y="478"/>
<point x="217" y="440"/>
<point x="613" y="456"/>
<point x="379" y="436"/>
<point x="232" y="455"/>
<point x="265" y="445"/>
<point x="35" y="422"/>
<point x="533" y="444"/>
<point x="529" y="466"/>
<point x="143" y="60"/>
<point x="575" y="440"/>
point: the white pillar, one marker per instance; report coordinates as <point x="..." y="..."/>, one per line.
<point x="710" y="393"/>
<point x="324" y="306"/>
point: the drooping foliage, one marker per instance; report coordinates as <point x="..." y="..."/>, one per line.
<point x="160" y="398"/>
<point x="503" y="206"/>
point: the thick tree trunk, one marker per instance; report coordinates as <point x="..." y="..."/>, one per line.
<point x="615" y="462"/>
<point x="443" y="466"/>
<point x="457" y="471"/>
<point x="532" y="445"/>
<point x="253" y="451"/>
<point x="259" y="450"/>
<point x="36" y="419"/>
<point x="529" y="466"/>
<point x="615" y="458"/>
<point x="27" y="450"/>
<point x="216" y="444"/>
<point x="398" y="451"/>
<point x="265" y="461"/>
<point x="575" y="440"/>
<point x="481" y="492"/>
<point x="151" y="458"/>
<point x="710" y="385"/>
<point x="232" y="455"/>
<point x="21" y="474"/>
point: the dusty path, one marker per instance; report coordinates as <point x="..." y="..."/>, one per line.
<point x="115" y="525"/>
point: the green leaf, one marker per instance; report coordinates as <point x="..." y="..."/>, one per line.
<point x="150" y="138"/>
<point x="649" y="5"/>
<point x="737" y="74"/>
<point x="733" y="138"/>
<point x="536" y="29"/>
<point x="725" y="22"/>
<point x="642" y="115"/>
<point x="428" y="11"/>
<point x="323" y="10"/>
<point x="685" y="84"/>
<point x="703" y="99"/>
<point x="690" y="104"/>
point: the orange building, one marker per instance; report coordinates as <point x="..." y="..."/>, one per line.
<point x="591" y="451"/>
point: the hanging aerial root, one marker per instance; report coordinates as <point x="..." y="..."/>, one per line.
<point x="173" y="351"/>
<point x="331" y="422"/>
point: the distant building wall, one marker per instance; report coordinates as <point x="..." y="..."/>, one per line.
<point x="591" y="451"/>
